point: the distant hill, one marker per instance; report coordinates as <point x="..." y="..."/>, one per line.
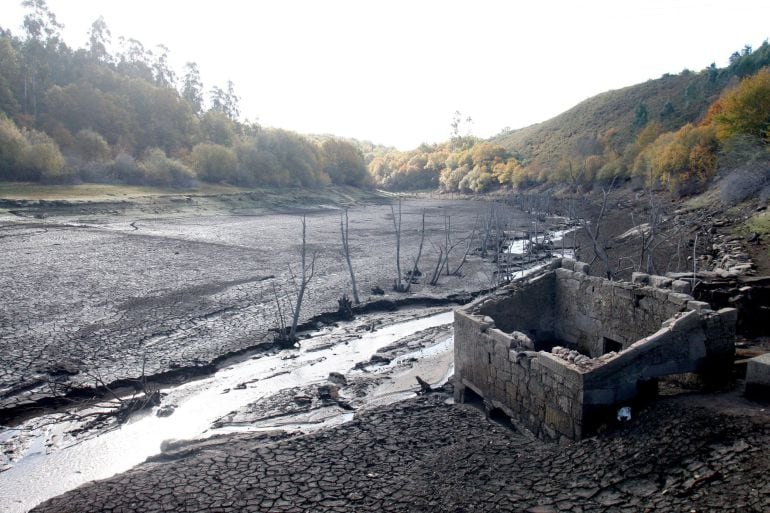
<point x="672" y="100"/>
<point x="677" y="131"/>
<point x="71" y="115"/>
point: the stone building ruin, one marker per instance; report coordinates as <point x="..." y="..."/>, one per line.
<point x="560" y="351"/>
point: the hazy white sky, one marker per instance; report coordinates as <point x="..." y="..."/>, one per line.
<point x="394" y="71"/>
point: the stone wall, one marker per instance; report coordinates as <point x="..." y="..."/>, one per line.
<point x="563" y="394"/>
<point x="588" y="310"/>
<point x="533" y="388"/>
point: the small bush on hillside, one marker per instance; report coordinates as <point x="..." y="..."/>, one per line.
<point x="125" y="169"/>
<point x="45" y="162"/>
<point x="41" y="160"/>
<point x="215" y="163"/>
<point x="742" y="184"/>
<point x="12" y="143"/>
<point x="93" y="172"/>
<point x="165" y="172"/>
<point x="91" y="147"/>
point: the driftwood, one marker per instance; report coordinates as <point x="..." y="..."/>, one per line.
<point x="425" y="387"/>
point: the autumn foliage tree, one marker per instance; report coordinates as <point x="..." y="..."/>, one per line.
<point x="745" y="109"/>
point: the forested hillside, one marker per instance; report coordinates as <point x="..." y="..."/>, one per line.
<point x="677" y="131"/>
<point x="88" y="115"/>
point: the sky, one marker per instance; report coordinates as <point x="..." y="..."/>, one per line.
<point x="394" y="72"/>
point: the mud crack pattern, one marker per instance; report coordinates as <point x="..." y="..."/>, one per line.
<point x="424" y="455"/>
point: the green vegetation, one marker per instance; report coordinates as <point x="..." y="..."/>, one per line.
<point x="759" y="224"/>
<point x="101" y="192"/>
<point x="72" y="115"/>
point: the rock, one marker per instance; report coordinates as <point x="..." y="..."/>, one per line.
<point x="378" y="358"/>
<point x="329" y="392"/>
<point x="303" y="399"/>
<point x="338" y="379"/>
<point x="166" y="411"/>
<point x="522" y="340"/>
<point x="681" y="286"/>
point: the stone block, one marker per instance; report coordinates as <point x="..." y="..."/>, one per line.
<point x="758" y="377"/>
<point x="681" y="286"/>
<point x="679" y="299"/>
<point x="689" y="320"/>
<point x="660" y="282"/>
<point x="582" y="268"/>
<point x="698" y="305"/>
<point x="729" y="316"/>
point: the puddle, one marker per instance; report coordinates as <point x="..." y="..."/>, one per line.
<point x="52" y="462"/>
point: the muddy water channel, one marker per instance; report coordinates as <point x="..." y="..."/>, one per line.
<point x="378" y="358"/>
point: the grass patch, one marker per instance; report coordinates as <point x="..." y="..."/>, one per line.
<point x="760" y="224"/>
<point x="100" y="192"/>
<point x="266" y="197"/>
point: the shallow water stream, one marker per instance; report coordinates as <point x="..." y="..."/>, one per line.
<point x="51" y="461"/>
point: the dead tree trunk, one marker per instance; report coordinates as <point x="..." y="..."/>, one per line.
<point x="447" y="234"/>
<point x="307" y="270"/>
<point x="439" y="265"/>
<point x="344" y="231"/>
<point x="415" y="268"/>
<point x="397" y="285"/>
<point x="468" y="246"/>
<point x="600" y="251"/>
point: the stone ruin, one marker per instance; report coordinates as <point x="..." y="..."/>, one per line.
<point x="561" y="351"/>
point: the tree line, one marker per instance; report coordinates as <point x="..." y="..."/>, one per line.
<point x="90" y="115"/>
<point x="721" y="122"/>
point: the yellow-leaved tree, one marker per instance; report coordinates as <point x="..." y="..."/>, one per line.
<point x="744" y="109"/>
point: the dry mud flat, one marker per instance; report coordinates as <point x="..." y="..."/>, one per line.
<point x="93" y="295"/>
<point x="424" y="455"/>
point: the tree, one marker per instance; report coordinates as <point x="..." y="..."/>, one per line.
<point x="192" y="88"/>
<point x="641" y="115"/>
<point x="91" y="146"/>
<point x="668" y="110"/>
<point x="225" y="100"/>
<point x="306" y="273"/>
<point x="592" y="229"/>
<point x="217" y="128"/>
<point x="11" y="76"/>
<point x="98" y="40"/>
<point x="43" y="31"/>
<point x="397" y="285"/>
<point x="44" y="161"/>
<point x="163" y="74"/>
<point x="745" y="109"/>
<point x="12" y="144"/>
<point x="345" y="233"/>
<point x="713" y="73"/>
<point x="214" y="163"/>
<point x="344" y="163"/>
<point x="160" y="170"/>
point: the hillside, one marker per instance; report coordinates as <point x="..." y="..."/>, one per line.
<point x="561" y="137"/>
<point x="616" y="118"/>
<point x="71" y="115"/>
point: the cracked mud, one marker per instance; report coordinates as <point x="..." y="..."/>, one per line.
<point x="94" y="299"/>
<point x="425" y="455"/>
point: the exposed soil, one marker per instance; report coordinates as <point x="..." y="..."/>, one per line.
<point x="186" y="290"/>
<point x="93" y="294"/>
